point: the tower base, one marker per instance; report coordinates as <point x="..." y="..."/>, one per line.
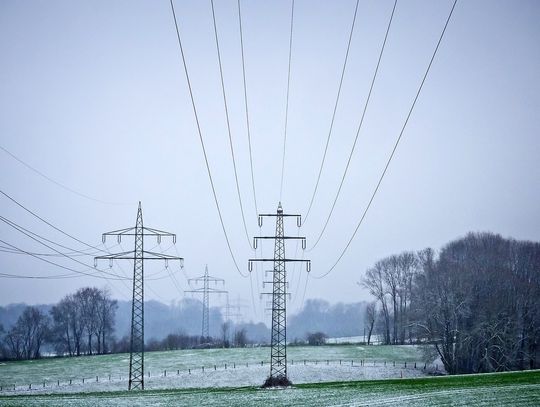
<point x="281" y="381"/>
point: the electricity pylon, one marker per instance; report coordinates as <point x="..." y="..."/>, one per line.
<point x="278" y="357"/>
<point x="206" y="291"/>
<point x="138" y="255"/>
<point x="229" y="307"/>
<point x="228" y="320"/>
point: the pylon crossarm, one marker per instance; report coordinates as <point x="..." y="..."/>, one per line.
<point x="157" y="232"/>
<point x="160" y="256"/>
<point x="213" y="290"/>
<point x="302" y="238"/>
<point x="118" y="233"/>
<point x="209" y="278"/>
<point x="117" y="256"/>
<point x="202" y="290"/>
<point x="263" y="215"/>
<point x="251" y="261"/>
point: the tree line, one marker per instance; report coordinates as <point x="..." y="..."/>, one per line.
<point x="476" y="301"/>
<point x="81" y="323"/>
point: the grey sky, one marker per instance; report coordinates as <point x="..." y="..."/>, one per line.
<point x="92" y="94"/>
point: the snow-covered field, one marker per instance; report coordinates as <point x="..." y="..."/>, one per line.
<point x="515" y="389"/>
<point x="210" y="368"/>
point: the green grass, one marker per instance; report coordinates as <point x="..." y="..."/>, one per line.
<point x="499" y="389"/>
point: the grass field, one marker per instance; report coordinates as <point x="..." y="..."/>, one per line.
<point x="499" y="389"/>
<point x="243" y="368"/>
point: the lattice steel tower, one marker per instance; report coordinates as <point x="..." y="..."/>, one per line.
<point x="206" y="291"/>
<point x="138" y="255"/>
<point x="278" y="356"/>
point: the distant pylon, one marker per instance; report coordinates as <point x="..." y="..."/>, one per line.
<point x="138" y="255"/>
<point x="278" y="356"/>
<point x="206" y="291"/>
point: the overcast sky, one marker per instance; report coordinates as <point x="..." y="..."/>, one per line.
<point x="93" y="94"/>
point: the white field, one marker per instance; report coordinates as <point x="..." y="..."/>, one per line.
<point x="222" y="368"/>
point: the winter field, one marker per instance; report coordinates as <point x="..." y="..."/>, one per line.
<point x="324" y="375"/>
<point x="500" y="389"/>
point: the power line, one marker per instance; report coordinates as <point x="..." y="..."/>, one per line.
<point x="64" y="233"/>
<point x="202" y="141"/>
<point x="58" y="183"/>
<point x="64" y="267"/>
<point x="333" y="113"/>
<point x="228" y="123"/>
<point x="395" y="145"/>
<point x="48" y="223"/>
<point x="358" y="130"/>
<point x="287" y="103"/>
<point x="246" y="108"/>
<point x="63" y="254"/>
<point x="5" y="249"/>
<point x="171" y="275"/>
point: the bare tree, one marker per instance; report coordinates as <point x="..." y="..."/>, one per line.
<point x="26" y="337"/>
<point x="374" y="282"/>
<point x="370" y="318"/>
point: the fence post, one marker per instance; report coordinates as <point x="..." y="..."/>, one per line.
<point x="165" y="373"/>
<point x="83" y="380"/>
